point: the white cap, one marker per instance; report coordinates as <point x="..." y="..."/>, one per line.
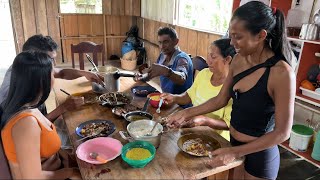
<point x="242" y="2"/>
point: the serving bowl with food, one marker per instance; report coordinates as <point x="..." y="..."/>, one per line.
<point x="115" y="99"/>
<point x="138" y="154"/>
<point x="138" y="131"/>
<point x="198" y="144"/>
<point x="89" y="128"/>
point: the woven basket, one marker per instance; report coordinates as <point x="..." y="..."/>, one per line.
<point x="128" y="64"/>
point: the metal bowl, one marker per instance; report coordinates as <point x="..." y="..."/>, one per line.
<point x="140" y="115"/>
<point x="148" y="125"/>
<point x="207" y="140"/>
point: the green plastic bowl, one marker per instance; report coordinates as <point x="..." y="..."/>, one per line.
<point x="138" y="144"/>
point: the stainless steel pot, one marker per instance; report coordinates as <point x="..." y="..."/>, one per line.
<point x="111" y="79"/>
<point x="143" y="125"/>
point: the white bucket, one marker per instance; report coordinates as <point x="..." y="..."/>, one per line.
<point x="299" y="142"/>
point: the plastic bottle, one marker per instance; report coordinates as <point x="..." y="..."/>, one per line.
<point x="316" y="148"/>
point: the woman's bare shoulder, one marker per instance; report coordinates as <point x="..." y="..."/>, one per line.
<point x="281" y="73"/>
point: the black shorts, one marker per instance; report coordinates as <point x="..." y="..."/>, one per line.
<point x="263" y="164"/>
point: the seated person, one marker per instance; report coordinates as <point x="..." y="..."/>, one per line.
<point x="28" y="137"/>
<point x="208" y="84"/>
<point x="47" y="45"/>
<point x="173" y="65"/>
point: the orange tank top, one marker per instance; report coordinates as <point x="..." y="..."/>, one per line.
<point x="50" y="142"/>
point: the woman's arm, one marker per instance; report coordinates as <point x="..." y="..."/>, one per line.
<point x="201" y="120"/>
<point x="283" y="93"/>
<point x="213" y="104"/>
<point x="181" y="99"/>
<point x="26" y="137"/>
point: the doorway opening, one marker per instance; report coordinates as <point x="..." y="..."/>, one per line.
<point x="7" y="47"/>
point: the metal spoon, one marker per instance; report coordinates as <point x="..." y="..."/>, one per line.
<point x="94" y="155"/>
<point x="91" y="61"/>
<point x="92" y="135"/>
<point x="209" y="149"/>
<point x="95" y="67"/>
<point x="159" y="106"/>
<point x="153" y="128"/>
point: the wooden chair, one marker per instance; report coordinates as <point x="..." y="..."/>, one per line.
<point x="4" y="166"/>
<point x="87" y="47"/>
<point x="199" y="63"/>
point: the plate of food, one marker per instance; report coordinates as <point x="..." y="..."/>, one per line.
<point x="121" y="110"/>
<point x="143" y="91"/>
<point x="115" y="99"/>
<point x="198" y="144"/>
<point x="89" y="128"/>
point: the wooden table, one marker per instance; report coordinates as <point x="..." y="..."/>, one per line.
<point x="169" y="162"/>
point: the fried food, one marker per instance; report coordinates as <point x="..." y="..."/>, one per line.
<point x="195" y="146"/>
<point x="119" y="111"/>
<point x="115" y="98"/>
<point x="93" y="128"/>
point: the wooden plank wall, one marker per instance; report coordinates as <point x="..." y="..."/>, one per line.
<point x="30" y="17"/>
<point x="108" y="28"/>
<point x="121" y="7"/>
<point x="191" y="41"/>
<point x="76" y="28"/>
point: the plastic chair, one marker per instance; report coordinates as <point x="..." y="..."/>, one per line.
<point x="199" y="63"/>
<point x="4" y="166"/>
<point x="87" y="47"/>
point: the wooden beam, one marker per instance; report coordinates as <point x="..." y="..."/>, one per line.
<point x="202" y="45"/>
<point x="106" y="7"/>
<point x="192" y="39"/>
<point x="40" y="11"/>
<point x="28" y="18"/>
<point x="136" y="7"/>
<point x="53" y="19"/>
<point x="17" y="24"/>
<point x="104" y="38"/>
<point x="128" y="7"/>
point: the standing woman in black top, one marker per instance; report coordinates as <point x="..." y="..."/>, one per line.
<point x="261" y="83"/>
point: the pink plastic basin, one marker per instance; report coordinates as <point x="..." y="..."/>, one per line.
<point x="108" y="148"/>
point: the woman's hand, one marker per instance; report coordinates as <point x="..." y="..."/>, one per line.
<point x="223" y="156"/>
<point x="177" y="119"/>
<point x="196" y="121"/>
<point x="73" y="102"/>
<point x="167" y="98"/>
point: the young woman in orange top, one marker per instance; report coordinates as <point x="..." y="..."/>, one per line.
<point x="29" y="137"/>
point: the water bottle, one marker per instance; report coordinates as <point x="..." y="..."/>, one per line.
<point x="316" y="148"/>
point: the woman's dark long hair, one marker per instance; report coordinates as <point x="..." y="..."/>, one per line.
<point x="30" y="83"/>
<point x="226" y="49"/>
<point x="259" y="16"/>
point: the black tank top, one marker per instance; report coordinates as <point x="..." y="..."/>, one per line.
<point x="253" y="110"/>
